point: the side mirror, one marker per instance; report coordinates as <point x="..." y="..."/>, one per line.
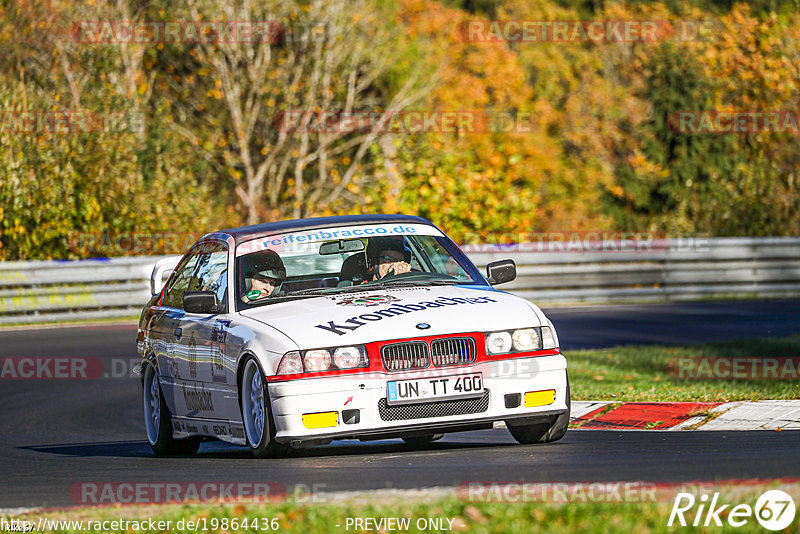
<point x="201" y="302"/>
<point x="501" y="271"/>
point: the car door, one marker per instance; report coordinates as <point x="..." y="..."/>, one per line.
<point x="167" y="323"/>
<point x="207" y="387"/>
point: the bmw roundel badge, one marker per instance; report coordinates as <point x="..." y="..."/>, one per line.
<point x="423" y="326"/>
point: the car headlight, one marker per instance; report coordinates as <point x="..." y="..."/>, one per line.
<point x="291" y="363"/>
<point x="317" y="360"/>
<point x="329" y="359"/>
<point x="498" y="342"/>
<point x="350" y="357"/>
<point x="525" y="339"/>
<point x="520" y="340"/>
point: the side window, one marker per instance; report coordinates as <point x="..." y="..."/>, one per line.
<point x="211" y="273"/>
<point x="205" y="269"/>
<point x="179" y="283"/>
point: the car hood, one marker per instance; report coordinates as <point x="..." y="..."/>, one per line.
<point x="395" y="313"/>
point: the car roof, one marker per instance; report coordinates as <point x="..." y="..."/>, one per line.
<point x="246" y="233"/>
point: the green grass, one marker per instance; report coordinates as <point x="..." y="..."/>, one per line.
<point x="640" y="373"/>
<point x="469" y="517"/>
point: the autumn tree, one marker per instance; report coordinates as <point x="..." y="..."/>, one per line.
<point x="251" y="108"/>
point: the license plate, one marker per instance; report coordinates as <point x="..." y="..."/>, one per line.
<point x="434" y="388"/>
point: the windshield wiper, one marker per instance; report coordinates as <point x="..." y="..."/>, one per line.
<point x="277" y="298"/>
<point x="404" y="283"/>
<point x="310" y="291"/>
<point x="314" y="291"/>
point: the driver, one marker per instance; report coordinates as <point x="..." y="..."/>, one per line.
<point x="264" y="275"/>
<point x="387" y="256"/>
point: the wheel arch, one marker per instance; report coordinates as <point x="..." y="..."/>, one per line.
<point x="148" y="358"/>
<point x="243" y="357"/>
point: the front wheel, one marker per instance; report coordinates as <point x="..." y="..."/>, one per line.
<point x="259" y="428"/>
<point x="542" y="432"/>
<point x="157" y="420"/>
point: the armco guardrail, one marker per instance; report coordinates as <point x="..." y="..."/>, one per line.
<point x="44" y="291"/>
<point x="658" y="270"/>
<point x="547" y="273"/>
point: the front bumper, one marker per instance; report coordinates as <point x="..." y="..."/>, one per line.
<point x="367" y="393"/>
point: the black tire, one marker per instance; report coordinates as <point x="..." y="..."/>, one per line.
<point x="422" y="440"/>
<point x="159" y="428"/>
<point x="542" y="432"/>
<point x="262" y="444"/>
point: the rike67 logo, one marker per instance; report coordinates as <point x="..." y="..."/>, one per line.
<point x="774" y="510"/>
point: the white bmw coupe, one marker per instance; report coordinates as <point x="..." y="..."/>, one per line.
<point x="297" y="333"/>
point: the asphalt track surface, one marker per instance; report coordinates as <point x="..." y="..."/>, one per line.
<point x="59" y="435"/>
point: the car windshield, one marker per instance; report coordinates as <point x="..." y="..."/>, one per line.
<point x="295" y="265"/>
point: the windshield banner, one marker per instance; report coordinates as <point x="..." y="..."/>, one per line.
<point x="296" y="241"/>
